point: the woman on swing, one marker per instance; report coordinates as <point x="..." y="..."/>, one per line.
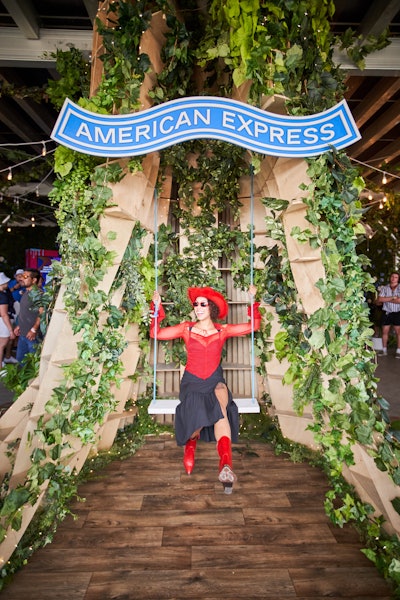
<point x="206" y="410"/>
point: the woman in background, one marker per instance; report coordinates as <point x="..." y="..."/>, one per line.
<point x="6" y="327"/>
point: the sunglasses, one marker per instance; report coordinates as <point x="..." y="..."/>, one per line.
<point x="203" y="304"/>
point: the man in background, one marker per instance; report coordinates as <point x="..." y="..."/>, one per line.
<point x="389" y="296"/>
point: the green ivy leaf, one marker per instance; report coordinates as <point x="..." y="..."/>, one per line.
<point x="281" y="340"/>
<point x="275" y="203"/>
<point x="294" y="56"/>
<point x="317" y="339"/>
<point x="14" y="500"/>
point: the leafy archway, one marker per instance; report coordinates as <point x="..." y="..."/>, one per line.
<point x="244" y="50"/>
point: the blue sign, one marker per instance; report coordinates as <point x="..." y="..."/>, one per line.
<point x="204" y="117"/>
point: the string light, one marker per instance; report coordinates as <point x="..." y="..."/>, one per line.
<point x="23" y="197"/>
<point x="24" y="162"/>
<point x="384" y="173"/>
<point x="26" y="143"/>
<point x="45" y="152"/>
<point x="34" y="189"/>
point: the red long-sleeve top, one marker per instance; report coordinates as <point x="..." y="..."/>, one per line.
<point x="203" y="353"/>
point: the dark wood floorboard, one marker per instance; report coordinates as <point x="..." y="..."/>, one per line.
<point x="147" y="531"/>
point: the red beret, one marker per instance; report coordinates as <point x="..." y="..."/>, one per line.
<point x="210" y="294"/>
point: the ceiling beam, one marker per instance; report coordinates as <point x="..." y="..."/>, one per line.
<point x="11" y="117"/>
<point x="91" y="9"/>
<point x="374" y="132"/>
<point x="23" y="14"/>
<point x="16" y="51"/>
<point x="31" y="108"/>
<point x="391" y="151"/>
<point x="375" y="99"/>
<point x="378" y="17"/>
<point x="383" y="62"/>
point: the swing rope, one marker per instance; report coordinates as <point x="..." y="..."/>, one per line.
<point x="156" y="307"/>
<point x="253" y="384"/>
<point x="156" y="287"/>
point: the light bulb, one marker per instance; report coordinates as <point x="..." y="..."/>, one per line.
<point x="384" y="180"/>
<point x="9" y="176"/>
<point x="381" y="204"/>
<point x="44" y="151"/>
<point x="384" y="199"/>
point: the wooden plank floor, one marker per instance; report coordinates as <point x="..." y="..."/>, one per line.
<point x="147" y="531"/>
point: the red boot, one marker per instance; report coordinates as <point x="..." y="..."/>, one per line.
<point x="226" y="475"/>
<point x="188" y="457"/>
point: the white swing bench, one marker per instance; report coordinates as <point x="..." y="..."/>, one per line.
<point x="167" y="406"/>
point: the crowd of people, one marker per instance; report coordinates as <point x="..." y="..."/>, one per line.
<point x="19" y="315"/>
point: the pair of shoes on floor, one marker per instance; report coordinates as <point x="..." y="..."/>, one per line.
<point x="11" y="360"/>
<point x="382" y="352"/>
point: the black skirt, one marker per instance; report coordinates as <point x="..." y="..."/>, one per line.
<point x="199" y="408"/>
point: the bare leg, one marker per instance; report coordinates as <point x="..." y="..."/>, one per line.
<point x="8" y="349"/>
<point x="222" y="427"/>
<point x="385" y="336"/>
<point x="397" y="332"/>
<point x="3" y="344"/>
<point x="196" y="434"/>
<point x="222" y="432"/>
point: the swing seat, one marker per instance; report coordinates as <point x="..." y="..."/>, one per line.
<point x="167" y="406"/>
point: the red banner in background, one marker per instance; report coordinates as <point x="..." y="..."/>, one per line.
<point x="36" y="258"/>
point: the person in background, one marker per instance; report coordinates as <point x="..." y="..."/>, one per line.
<point x="16" y="285"/>
<point x="389" y="296"/>
<point x="27" y="329"/>
<point x="206" y="410"/>
<point x="15" y="288"/>
<point x="6" y="327"/>
<point x="375" y="312"/>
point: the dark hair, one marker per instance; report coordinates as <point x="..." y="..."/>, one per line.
<point x="214" y="310"/>
<point x="34" y="273"/>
